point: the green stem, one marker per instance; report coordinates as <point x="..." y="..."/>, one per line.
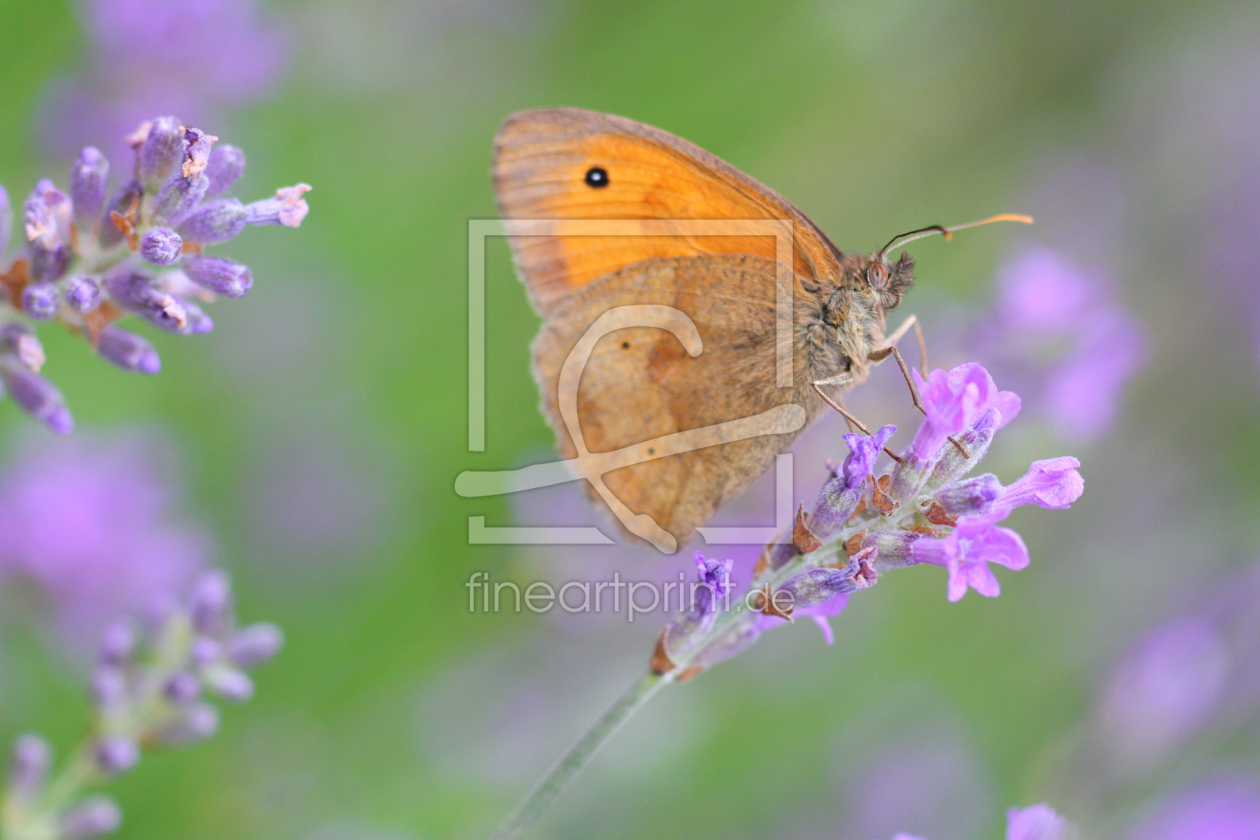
<point x="529" y="809"/>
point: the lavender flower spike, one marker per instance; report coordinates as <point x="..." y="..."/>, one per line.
<point x="83" y="258"/>
<point x="147" y="691"/>
<point x="88" y="181"/>
<point x="287" y="207"/>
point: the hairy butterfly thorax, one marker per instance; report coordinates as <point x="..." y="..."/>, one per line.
<point x="844" y="318"/>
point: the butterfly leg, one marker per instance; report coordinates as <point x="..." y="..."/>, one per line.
<point x="890" y="349"/>
<point x="836" y="403"/>
<point x="884" y="352"/>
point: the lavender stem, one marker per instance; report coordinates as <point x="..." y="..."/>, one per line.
<point x="529" y="809"/>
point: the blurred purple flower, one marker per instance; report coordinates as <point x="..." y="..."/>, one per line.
<point x="1058" y="333"/>
<point x="91" y="524"/>
<point x="1040" y="822"/>
<point x="1225" y="810"/>
<point x="196" y="58"/>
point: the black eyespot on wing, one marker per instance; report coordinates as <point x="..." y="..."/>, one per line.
<point x="596" y="177"/>
<point x="625" y="345"/>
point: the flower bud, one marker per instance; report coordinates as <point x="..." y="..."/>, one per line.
<point x="214" y="221"/>
<point x="128" y="351"/>
<point x="161" y="152"/>
<point x="178" y="197"/>
<point x="48" y="264"/>
<point x="219" y="275"/>
<point x="109" y="687"/>
<point x="287" y="207"/>
<point x="138" y="293"/>
<point x="196" y="722"/>
<point x="40" y="301"/>
<point x="225" y="165"/>
<point x="115" y="755"/>
<point x="205" y="651"/>
<point x="37" y="396"/>
<point x="28" y="767"/>
<point x="160" y="246"/>
<point x="253" y="645"/>
<point x="118" y="644"/>
<point x="18" y="339"/>
<point x="971" y="496"/>
<point x="182" y="687"/>
<point x="198" y="321"/>
<point x="210" y="602"/>
<point x="82" y="293"/>
<point x="88" y="179"/>
<point x="197" y="152"/>
<point x="894" y="549"/>
<point x="954" y="464"/>
<point x="89" y="818"/>
<point x="813" y="586"/>
<point x="230" y="684"/>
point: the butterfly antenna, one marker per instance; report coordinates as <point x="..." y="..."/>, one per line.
<point x="906" y="238"/>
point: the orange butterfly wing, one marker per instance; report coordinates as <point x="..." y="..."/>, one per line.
<point x="541" y="161"/>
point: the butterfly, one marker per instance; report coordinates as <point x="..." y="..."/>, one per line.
<point x="654" y="221"/>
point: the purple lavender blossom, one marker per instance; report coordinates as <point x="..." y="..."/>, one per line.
<point x="93" y="527"/>
<point x="201" y="58"/>
<point x="967" y="552"/>
<point x="954" y="401"/>
<point x="1059" y="333"/>
<point x="85" y="266"/>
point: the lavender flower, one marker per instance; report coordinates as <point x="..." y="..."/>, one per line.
<point x="967" y="552"/>
<point x="148" y="691"/>
<point x="1058" y="331"/>
<point x="86" y="266"/>
<point x="925" y="512"/>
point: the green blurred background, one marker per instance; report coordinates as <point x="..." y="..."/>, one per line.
<point x="323" y="422"/>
